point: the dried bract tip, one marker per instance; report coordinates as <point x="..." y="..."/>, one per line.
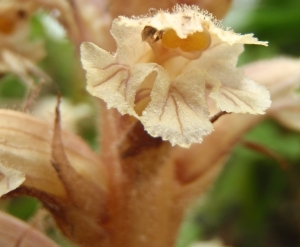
<point x="10" y="179"/>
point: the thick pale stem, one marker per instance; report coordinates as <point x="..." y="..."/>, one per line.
<point x="147" y="195"/>
<point x="141" y="195"/>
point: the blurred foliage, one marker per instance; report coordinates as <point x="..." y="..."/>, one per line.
<point x="278" y="22"/>
<point x="255" y="203"/>
<point x="274" y="21"/>
<point x="61" y="63"/>
<point x="23" y="207"/>
<point x="11" y="87"/>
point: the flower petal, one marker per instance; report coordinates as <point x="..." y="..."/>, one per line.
<point x="106" y="77"/>
<point x="284" y="87"/>
<point x="242" y="96"/>
<point x="231" y="90"/>
<point x="131" y="48"/>
<point x="178" y="112"/>
<point x="112" y="81"/>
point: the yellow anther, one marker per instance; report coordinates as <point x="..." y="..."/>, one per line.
<point x="194" y="42"/>
<point x="170" y="39"/>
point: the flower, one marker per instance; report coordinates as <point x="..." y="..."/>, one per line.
<point x="285" y="93"/>
<point x="72" y="114"/>
<point x="167" y="82"/>
<point x="18" y="54"/>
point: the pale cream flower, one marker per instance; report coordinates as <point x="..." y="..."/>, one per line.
<point x="285" y="87"/>
<point x="72" y="114"/>
<point x="18" y="54"/>
<point x="165" y="82"/>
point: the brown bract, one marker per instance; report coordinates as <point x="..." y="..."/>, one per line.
<point x="68" y="178"/>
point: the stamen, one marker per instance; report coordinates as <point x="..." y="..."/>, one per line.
<point x="170" y="39"/>
<point x="195" y="42"/>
